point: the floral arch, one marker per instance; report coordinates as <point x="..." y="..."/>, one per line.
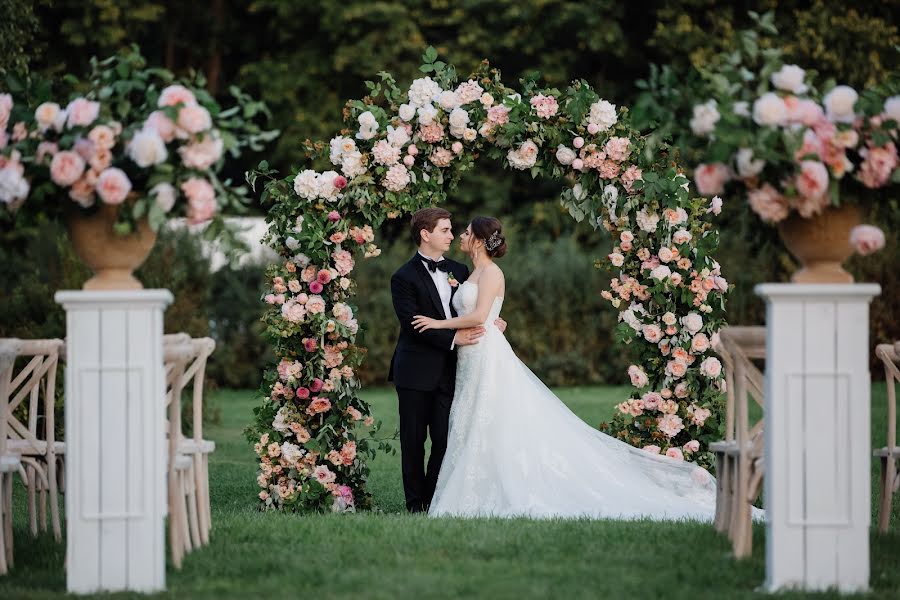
<point x="404" y="150"/>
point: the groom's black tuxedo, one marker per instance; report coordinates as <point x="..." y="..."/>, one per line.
<point x="424" y="370"/>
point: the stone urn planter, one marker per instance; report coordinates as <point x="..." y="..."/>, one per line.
<point x="821" y="244"/>
<point x="112" y="257"/>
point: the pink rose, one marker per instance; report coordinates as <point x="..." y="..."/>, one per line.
<point x="700" y="343"/>
<point x="878" y="164"/>
<point x="174" y="95"/>
<point x="113" y="185"/>
<point x="201" y="197"/>
<point x="770" y="205"/>
<point x="812" y="181"/>
<point x="715" y="206"/>
<point x="670" y="424"/>
<point x="676" y="368"/>
<point x="334" y="216"/>
<point x="639" y="379"/>
<point x="66" y="168"/>
<point x="711" y="367"/>
<point x="316" y="287"/>
<point x="316" y="385"/>
<point x="652" y="333"/>
<point x="681" y="390"/>
<point x="337" y="237"/>
<point x="652" y="449"/>
<point x="194" y="119"/>
<point x="82" y="112"/>
<point x="408" y="160"/>
<point x="578" y="142"/>
<point x="652" y="400"/>
<point x="316" y="304"/>
<point x="578" y="164"/>
<point x="269" y="298"/>
<point x="45" y="149"/>
<point x="866" y="239"/>
<point x="340" y="182"/>
<point x="691" y="446"/>
<point x="711" y="178"/>
<point x="161" y="124"/>
<point x="102" y="137"/>
<point x="202" y="154"/>
<point x="593" y="128"/>
<point x="665" y="255"/>
<point x="324" y="276"/>
<point x="675" y="453"/>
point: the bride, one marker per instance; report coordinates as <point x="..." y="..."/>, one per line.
<point x="515" y="449"/>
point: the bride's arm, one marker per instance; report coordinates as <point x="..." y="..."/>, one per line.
<point x="490" y="285"/>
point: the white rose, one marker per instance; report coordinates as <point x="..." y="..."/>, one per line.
<point x="647" y="221"/>
<point x="279" y="423"/>
<point x="692" y="322"/>
<point x="397" y="137"/>
<point x="741" y="108"/>
<point x="459" y="118"/>
<point x="746" y="165"/>
<point x="603" y="114"/>
<point x="423" y="91"/>
<point x="616" y="259"/>
<point x="524" y="156"/>
<point x="448" y="100"/>
<point x="165" y="195"/>
<point x="611" y="194"/>
<point x="427" y="114"/>
<point x="790" y="79"/>
<point x="669" y="318"/>
<point x="565" y="155"/>
<point x="301" y="259"/>
<point x="49" y="115"/>
<point x="661" y="272"/>
<point x="470" y="134"/>
<point x="892" y="108"/>
<point x="344" y="283"/>
<point x="368" y="126"/>
<point x="705" y="117"/>
<point x="306" y="184"/>
<point x="839" y="104"/>
<point x="407" y="112"/>
<point x="292" y="243"/>
<point x="291" y="452"/>
<point x="338" y="146"/>
<point x="13" y="186"/>
<point x="629" y="317"/>
<point x="769" y="110"/>
<point x="486" y="100"/>
<point x="147" y="148"/>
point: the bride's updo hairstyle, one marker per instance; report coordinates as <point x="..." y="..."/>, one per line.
<point x="489" y="231"/>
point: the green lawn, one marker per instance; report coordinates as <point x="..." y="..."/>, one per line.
<point x="389" y="554"/>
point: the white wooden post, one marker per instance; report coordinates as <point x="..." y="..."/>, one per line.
<point x="115" y="440"/>
<point x="818" y="442"/>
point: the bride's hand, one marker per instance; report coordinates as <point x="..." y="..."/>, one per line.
<point x="421" y="323"/>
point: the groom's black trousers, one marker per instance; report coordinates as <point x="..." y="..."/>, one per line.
<point x="423" y="414"/>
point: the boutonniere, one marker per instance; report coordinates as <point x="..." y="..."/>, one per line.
<point x="452" y="280"/>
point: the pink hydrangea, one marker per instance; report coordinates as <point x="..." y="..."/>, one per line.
<point x="544" y="106"/>
<point x="343" y="261"/>
<point x="618" y="148"/>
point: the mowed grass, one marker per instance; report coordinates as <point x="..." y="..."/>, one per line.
<point x="389" y="554"/>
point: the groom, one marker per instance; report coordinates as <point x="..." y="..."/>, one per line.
<point x="423" y="367"/>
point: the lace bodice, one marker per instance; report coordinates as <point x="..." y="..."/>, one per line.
<point x="466" y="297"/>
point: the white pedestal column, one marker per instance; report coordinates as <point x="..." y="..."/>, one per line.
<point x="115" y="440"/>
<point x="818" y="441"/>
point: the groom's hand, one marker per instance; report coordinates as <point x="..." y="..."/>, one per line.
<point x="468" y="337"/>
<point x="501" y="325"/>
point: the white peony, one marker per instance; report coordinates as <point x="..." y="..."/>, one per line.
<point x="705" y="117"/>
<point x="565" y="155"/>
<point x="279" y="423"/>
<point x="306" y="184"/>
<point x="448" y="100"/>
<point x="603" y="114"/>
<point x="692" y="322"/>
<point x="892" y="108"/>
<point x="292" y="243"/>
<point x="407" y="112"/>
<point x="769" y="109"/>
<point x="459" y="118"/>
<point x="423" y="91"/>
<point x="647" y="221"/>
<point x="397" y="137"/>
<point x="790" y="79"/>
<point x="147" y="148"/>
<point x="427" y="114"/>
<point x="326" y="187"/>
<point x="839" y="104"/>
<point x="746" y="165"/>
<point x="338" y="146"/>
<point x="13" y="186"/>
<point x="164" y="195"/>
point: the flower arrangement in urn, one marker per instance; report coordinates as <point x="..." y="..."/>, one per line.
<point x="134" y="148"/>
<point x="809" y="161"/>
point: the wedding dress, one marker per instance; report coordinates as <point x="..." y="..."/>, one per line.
<point x="515" y="449"/>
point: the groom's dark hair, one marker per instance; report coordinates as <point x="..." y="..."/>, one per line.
<point x="427" y="219"/>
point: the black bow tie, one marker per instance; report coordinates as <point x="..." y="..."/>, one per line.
<point x="434" y="265"/>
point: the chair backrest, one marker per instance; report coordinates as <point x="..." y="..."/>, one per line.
<point x="176" y="358"/>
<point x="738" y="346"/>
<point x="890" y="356"/>
<point x="194" y="374"/>
<point x="33" y="380"/>
<point x="9" y="350"/>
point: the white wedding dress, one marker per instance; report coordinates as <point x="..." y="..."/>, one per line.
<point x="515" y="449"/>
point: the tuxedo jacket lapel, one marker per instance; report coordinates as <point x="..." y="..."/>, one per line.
<point x="422" y="270"/>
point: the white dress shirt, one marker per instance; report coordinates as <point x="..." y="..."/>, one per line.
<point x="442" y="284"/>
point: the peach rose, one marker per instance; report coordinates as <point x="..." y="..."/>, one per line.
<point x="113" y="186"/>
<point x="711" y="178"/>
<point x="675" y="453"/>
<point x="103" y="137"/>
<point x="652" y="449"/>
<point x="770" y="205"/>
<point x="201" y="199"/>
<point x="812" y="181"/>
<point x="174" y="95"/>
<point x="66" y="168"/>
<point x="194" y="119"/>
<point x="711" y="367"/>
<point x="676" y="368"/>
<point x="700" y="343"/>
<point x="652" y="333"/>
<point x="161" y="124"/>
<point x="82" y="112"/>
